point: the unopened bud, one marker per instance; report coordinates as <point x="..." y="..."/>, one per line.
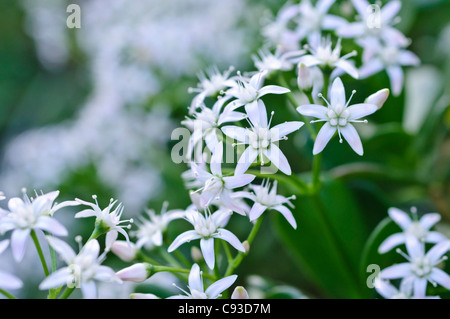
<point x="378" y="98"/>
<point x="196" y="254"/>
<point x="240" y="293"/>
<point x="137" y="273"/>
<point x="124" y="250"/>
<point x="246" y="246"/>
<point x="304" y="79"/>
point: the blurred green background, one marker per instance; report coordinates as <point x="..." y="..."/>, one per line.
<point x="406" y="161"/>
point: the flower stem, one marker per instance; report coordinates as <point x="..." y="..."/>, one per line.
<point x="7" y="294"/>
<point x="316" y="183"/>
<point x="67" y="292"/>
<point x="40" y="253"/>
<point x="180" y="270"/>
<point x="240" y="256"/>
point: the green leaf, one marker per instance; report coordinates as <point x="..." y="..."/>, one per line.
<point x="329" y="259"/>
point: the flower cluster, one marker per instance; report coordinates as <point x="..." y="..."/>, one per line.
<point x="422" y="267"/>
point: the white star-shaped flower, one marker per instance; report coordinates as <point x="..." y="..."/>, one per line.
<point x="82" y="270"/>
<point x="261" y="139"/>
<point x="420" y="228"/>
<point x="338" y="117"/>
<point x="197" y="290"/>
<point x="206" y="228"/>
<point x="27" y="214"/>
<point x="421" y="267"/>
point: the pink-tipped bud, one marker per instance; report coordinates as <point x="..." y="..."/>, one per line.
<point x="304" y="79"/>
<point x="137" y="272"/>
<point x="240" y="293"/>
<point x="378" y="98"/>
<point x="124" y="250"/>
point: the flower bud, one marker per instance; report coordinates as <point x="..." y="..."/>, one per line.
<point x="137" y="273"/>
<point x="378" y="98"/>
<point x="304" y="79"/>
<point x="240" y="293"/>
<point x="124" y="250"/>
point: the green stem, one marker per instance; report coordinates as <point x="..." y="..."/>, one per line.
<point x="7" y="294"/>
<point x="180" y="270"/>
<point x="67" y="292"/>
<point x="240" y="256"/>
<point x="40" y="253"/>
<point x="316" y="183"/>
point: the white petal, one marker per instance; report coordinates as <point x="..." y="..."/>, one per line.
<point x="278" y="159"/>
<point x="323" y="137"/>
<point x="438" y="250"/>
<point x="287" y="214"/>
<point x="236" y="132"/>
<point x="348" y="67"/>
<point x="281" y="130"/>
<point x="390" y="10"/>
<point x="332" y="22"/>
<point x="351" y="136"/>
<point x="309" y="60"/>
<point x="396" y="271"/>
<point x="351" y="30"/>
<point x="391" y="242"/>
<point x="384" y="288"/>
<point x="195" y="279"/>
<point x="207" y="248"/>
<point x="104" y="273"/>
<point x="434" y="237"/>
<point x="358" y="111"/>
<point x="236" y="181"/>
<point x="62" y="248"/>
<point x="89" y="290"/>
<point x="51" y="225"/>
<point x="256" y="211"/>
<point x="361" y="6"/>
<point x="59" y="278"/>
<point x="247" y="158"/>
<point x="337" y="93"/>
<point x="216" y="160"/>
<point x="429" y="220"/>
<point x="399" y="217"/>
<point x="416" y="249"/>
<point x="219" y="286"/>
<point x="324" y="5"/>
<point x="257" y="113"/>
<point x="8" y="281"/>
<point x="85" y="213"/>
<point x="3" y="245"/>
<point x="420" y="287"/>
<point x="440" y="277"/>
<point x="185" y="237"/>
<point x="396" y="78"/>
<point x="231" y="238"/>
<point x="272" y="89"/>
<point x="371" y="67"/>
<point x="313" y="110"/>
<point x="111" y="237"/>
<point x="18" y="243"/>
<point x="408" y="58"/>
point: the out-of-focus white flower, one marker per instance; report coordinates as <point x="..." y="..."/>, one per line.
<point x="277" y="61"/>
<point x="219" y="187"/>
<point x="419" y="228"/>
<point x="108" y="221"/>
<point x="150" y="231"/>
<point x="304" y="78"/>
<point x="28" y="214"/>
<point x="421" y="267"/>
<point x="323" y="55"/>
<point x="211" y="84"/>
<point x="338" y="117"/>
<point x="8" y="281"/>
<point x="196" y="289"/>
<point x="314" y="19"/>
<point x="374" y="28"/>
<point x="206" y="228"/>
<point x="261" y="139"/>
<point x="391" y="59"/>
<point x="82" y="270"/>
<point x="266" y="198"/>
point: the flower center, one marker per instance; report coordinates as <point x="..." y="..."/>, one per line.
<point x="421" y="267"/>
<point x="389" y="55"/>
<point x="205" y="227"/>
<point x="338" y="116"/>
<point x="259" y="138"/>
<point x="417" y="230"/>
